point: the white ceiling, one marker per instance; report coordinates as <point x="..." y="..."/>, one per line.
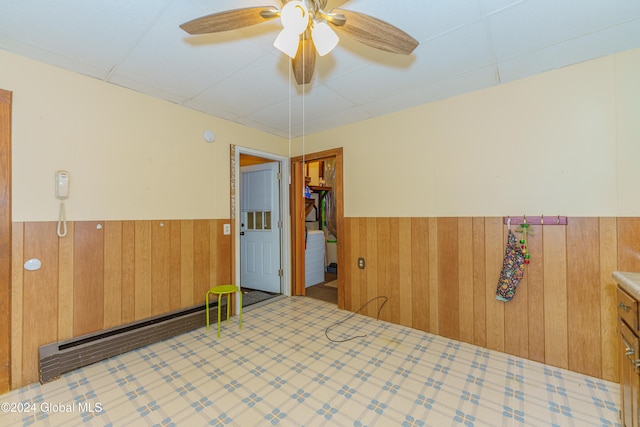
<point x="465" y="45"/>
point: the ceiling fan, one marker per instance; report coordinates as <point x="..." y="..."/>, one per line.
<point x="306" y="30"/>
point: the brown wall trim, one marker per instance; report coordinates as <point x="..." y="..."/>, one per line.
<point x="5" y="240"/>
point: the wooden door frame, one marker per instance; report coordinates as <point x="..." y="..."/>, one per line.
<point x="285" y="250"/>
<point x="298" y="219"/>
<point x="5" y="240"/>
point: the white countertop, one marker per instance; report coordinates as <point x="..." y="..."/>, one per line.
<point x="630" y="282"/>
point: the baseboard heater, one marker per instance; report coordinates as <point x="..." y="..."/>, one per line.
<point x="64" y="356"/>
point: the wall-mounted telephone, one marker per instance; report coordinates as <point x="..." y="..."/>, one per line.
<point x="62" y="185"/>
<point x="62" y="193"/>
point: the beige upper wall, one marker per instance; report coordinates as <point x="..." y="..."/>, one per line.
<point x="628" y="132"/>
<point x="562" y="143"/>
<point x="130" y="156"/>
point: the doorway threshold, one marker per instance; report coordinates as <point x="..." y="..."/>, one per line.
<point x="253" y="299"/>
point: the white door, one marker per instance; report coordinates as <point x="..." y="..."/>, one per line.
<point x="259" y="227"/>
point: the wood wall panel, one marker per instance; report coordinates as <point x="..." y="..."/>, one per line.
<point x="629" y="244"/>
<point x="479" y="284"/>
<point x="100" y="277"/>
<point x="112" y="273"/>
<point x="448" y="287"/>
<point x="534" y="288"/>
<point x="371" y="270"/>
<point x="392" y="276"/>
<point x="175" y="269"/>
<point x="187" y="284"/>
<point x="608" y="300"/>
<point x="465" y="279"/>
<point x="88" y="278"/>
<point x="516" y="316"/>
<point x="128" y="271"/>
<point x="201" y="248"/>
<point x="363" y="274"/>
<point x="386" y="260"/>
<point x="160" y="267"/>
<point x="142" y="268"/>
<point x="66" y="248"/>
<point x="17" y="305"/>
<point x="350" y="275"/>
<point x="355" y="248"/>
<point x="494" y="255"/>
<point x="223" y="247"/>
<point x="583" y="296"/>
<point x="40" y="295"/>
<point x="420" y="303"/>
<point x="404" y="270"/>
<point x="555" y="296"/>
<point x="214" y="262"/>
<point x="538" y="323"/>
<point x="563" y="313"/>
<point x="349" y="251"/>
<point x="434" y="306"/>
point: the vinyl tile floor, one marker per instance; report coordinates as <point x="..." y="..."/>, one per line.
<point x="285" y="368"/>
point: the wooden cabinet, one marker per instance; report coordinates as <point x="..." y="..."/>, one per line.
<point x="629" y="354"/>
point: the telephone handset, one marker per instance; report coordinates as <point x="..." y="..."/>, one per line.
<point x="62" y="185"/>
<point x="62" y="193"/>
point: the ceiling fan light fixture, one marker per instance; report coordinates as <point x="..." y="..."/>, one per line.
<point x="287" y="42"/>
<point x="295" y="17"/>
<point x="324" y="38"/>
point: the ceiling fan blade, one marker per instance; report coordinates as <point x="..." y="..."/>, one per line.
<point x="376" y="33"/>
<point x="304" y="62"/>
<point x="230" y="20"/>
<point x="333" y="3"/>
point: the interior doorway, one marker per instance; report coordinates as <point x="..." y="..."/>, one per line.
<point x="260" y="225"/>
<point x="260" y="219"/>
<point x="318" y="224"/>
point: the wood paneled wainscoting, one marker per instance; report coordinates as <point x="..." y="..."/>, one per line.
<point x="105" y="274"/>
<point x="441" y="274"/>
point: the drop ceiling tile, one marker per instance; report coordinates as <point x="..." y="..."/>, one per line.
<point x="493" y="6"/>
<point x="600" y="43"/>
<point x="244" y="91"/>
<point x="46" y="56"/>
<point x="181" y="63"/>
<point x="432" y="61"/>
<point x="347" y="57"/>
<point x="99" y="33"/>
<point x="456" y="85"/>
<point x="332" y="120"/>
<point x="214" y="110"/>
<point x="422" y="19"/>
<point x="537" y="24"/>
<point x="320" y="102"/>
<point x="138" y="45"/>
<point x="156" y="91"/>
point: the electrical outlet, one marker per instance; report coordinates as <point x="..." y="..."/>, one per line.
<point x="226" y="229"/>
<point x="361" y="263"/>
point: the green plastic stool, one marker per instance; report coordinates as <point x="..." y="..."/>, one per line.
<point x="220" y="291"/>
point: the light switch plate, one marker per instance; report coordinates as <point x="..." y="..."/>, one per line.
<point x="226" y="229"/>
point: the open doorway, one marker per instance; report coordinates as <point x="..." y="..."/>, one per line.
<point x="260" y="224"/>
<point x="317" y="212"/>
